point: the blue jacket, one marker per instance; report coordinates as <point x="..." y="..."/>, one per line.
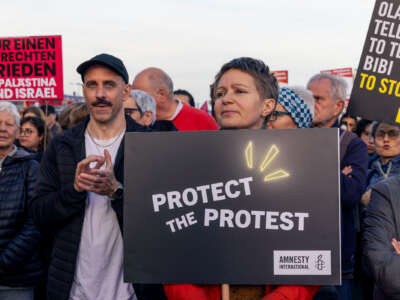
<point x="20" y="265"/>
<point x="374" y="175"/>
<point x="351" y="190"/>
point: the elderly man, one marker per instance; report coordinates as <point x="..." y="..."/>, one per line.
<point x="80" y="193"/>
<point x="159" y="85"/>
<point x="20" y="267"/>
<point x="329" y="94"/>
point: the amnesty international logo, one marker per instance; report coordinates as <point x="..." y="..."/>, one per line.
<point x="320" y="263"/>
<point x="269" y="157"/>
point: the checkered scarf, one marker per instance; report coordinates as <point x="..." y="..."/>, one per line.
<point x="296" y="106"/>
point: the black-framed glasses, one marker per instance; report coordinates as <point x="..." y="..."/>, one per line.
<point x="26" y="132"/>
<point x="129" y="111"/>
<point x="392" y="134"/>
<point x="276" y="114"/>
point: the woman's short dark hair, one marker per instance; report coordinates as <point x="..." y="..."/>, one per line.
<point x="39" y="124"/>
<point x="265" y="81"/>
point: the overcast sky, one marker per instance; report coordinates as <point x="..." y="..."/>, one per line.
<point x="191" y="39"/>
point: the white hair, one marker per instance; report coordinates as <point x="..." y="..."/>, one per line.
<point x="338" y="87"/>
<point x="145" y="102"/>
<point x="11" y="109"/>
<point x="306" y="95"/>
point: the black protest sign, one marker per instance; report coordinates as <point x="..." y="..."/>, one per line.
<point x="237" y="206"/>
<point x="376" y="89"/>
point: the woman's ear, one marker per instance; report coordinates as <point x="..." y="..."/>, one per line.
<point x="268" y="107"/>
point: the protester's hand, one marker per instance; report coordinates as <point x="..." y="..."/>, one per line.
<point x="83" y="167"/>
<point x="366" y="197"/>
<point x="396" y="245"/>
<point x="347" y="171"/>
<point x="102" y="182"/>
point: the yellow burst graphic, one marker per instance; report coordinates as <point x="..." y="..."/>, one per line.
<point x="249" y="155"/>
<point x="276" y="175"/>
<point x="273" y="151"/>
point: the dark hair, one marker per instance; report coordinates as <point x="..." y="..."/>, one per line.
<point x="265" y="81"/>
<point x="212" y="98"/>
<point x="187" y="94"/>
<point x="35" y="110"/>
<point x="361" y="125"/>
<point x="39" y="124"/>
<point x="50" y="109"/>
<point x="346" y="115"/>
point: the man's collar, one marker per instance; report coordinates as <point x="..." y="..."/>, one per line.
<point x="336" y="124"/>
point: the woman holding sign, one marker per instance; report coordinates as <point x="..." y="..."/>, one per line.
<point x="246" y="97"/>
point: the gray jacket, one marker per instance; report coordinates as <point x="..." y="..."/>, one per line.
<point x="381" y="224"/>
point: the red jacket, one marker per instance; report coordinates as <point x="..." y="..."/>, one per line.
<point x="213" y="292"/>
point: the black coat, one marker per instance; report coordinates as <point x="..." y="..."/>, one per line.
<point x="59" y="209"/>
<point x="19" y="238"/>
<point x="382" y="223"/>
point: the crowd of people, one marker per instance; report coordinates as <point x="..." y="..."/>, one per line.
<point x="62" y="182"/>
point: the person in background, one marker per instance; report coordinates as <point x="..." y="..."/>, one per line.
<point x="387" y="144"/>
<point x="246" y="97"/>
<point x="330" y="94"/>
<point x="185" y="97"/>
<point x="33" y="111"/>
<point x="159" y="85"/>
<point x="364" y="131"/>
<point x="348" y="122"/>
<point x="31" y="135"/>
<point x="64" y="116"/>
<point x="78" y="114"/>
<point x="20" y="266"/>
<point x="381" y="238"/>
<point x="51" y="124"/>
<point x="141" y="107"/>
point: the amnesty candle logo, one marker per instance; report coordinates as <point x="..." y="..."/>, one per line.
<point x="302" y="262"/>
<point x="269" y="157"/>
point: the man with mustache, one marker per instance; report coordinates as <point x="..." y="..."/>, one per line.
<point x="80" y="193"/>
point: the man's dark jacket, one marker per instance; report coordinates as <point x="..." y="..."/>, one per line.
<point x="20" y="265"/>
<point x="351" y="190"/>
<point x="381" y="225"/>
<point x="59" y="209"/>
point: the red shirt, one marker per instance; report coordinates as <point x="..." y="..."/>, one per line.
<point x="193" y="119"/>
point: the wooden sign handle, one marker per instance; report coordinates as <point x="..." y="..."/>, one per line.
<point x="225" y="292"/>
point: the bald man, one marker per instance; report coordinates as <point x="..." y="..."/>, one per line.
<point x="159" y="85"/>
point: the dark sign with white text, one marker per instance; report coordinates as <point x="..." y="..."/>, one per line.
<point x="376" y="89"/>
<point x="237" y="206"/>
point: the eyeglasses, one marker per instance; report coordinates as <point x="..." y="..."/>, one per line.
<point x="276" y="114"/>
<point x="129" y="111"/>
<point x="392" y="134"/>
<point x="26" y="132"/>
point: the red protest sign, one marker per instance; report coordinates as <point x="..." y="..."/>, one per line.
<point x="344" y="72"/>
<point x="282" y="76"/>
<point x="31" y="68"/>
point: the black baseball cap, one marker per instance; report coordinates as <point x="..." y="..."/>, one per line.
<point x="106" y="60"/>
